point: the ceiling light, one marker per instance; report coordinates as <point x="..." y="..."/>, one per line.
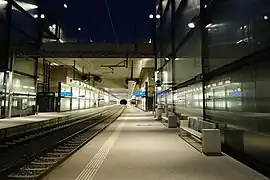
<point x="35" y="16"/>
<point x="208" y="25"/>
<point x="3" y="2"/>
<point x="50" y="27"/>
<point x="167" y="59"/>
<point x="265" y="17"/>
<point x="205" y="6"/>
<point x="158" y="16"/>
<point x="79" y="29"/>
<point x="151" y="16"/>
<point x="27" y="6"/>
<point x="42" y="16"/>
<point x="54" y="26"/>
<point x="65" y="5"/>
<point x="191" y="25"/>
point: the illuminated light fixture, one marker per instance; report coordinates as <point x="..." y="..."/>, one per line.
<point x="238" y="42"/>
<point x="151" y="16"/>
<point x="65" y="5"/>
<point x="228" y="82"/>
<point x="3" y="2"/>
<point x="238" y="89"/>
<point x="265" y="17"/>
<point x="220" y="83"/>
<point x="191" y="25"/>
<point x="50" y="27"/>
<point x="42" y="16"/>
<point x="205" y="6"/>
<point x="209" y="86"/>
<point x="158" y="16"/>
<point x="208" y="25"/>
<point x="35" y="16"/>
<point x="54" y="64"/>
<point x="167" y="58"/>
<point x="214" y="85"/>
<point x="79" y="29"/>
<point x="61" y="41"/>
<point x="54" y="26"/>
<point x="27" y="6"/>
<point x="150" y="41"/>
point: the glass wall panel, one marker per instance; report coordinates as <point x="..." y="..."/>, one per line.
<point x="167" y="76"/>
<point x="241" y="109"/>
<point x="189" y="100"/>
<point x="24" y="95"/>
<point x="188" y="61"/>
<point x="233" y="34"/>
<point x="185" y="14"/>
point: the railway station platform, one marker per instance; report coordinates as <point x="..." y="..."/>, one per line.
<point x="18" y="125"/>
<point x="136" y="147"/>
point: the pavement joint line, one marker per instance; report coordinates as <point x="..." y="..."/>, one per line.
<point x="89" y="172"/>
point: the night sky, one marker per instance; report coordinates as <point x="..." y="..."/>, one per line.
<point x="130" y="18"/>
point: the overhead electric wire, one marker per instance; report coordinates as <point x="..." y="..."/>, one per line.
<point x="113" y="28"/>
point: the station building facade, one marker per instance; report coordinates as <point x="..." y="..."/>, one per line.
<point x="23" y="28"/>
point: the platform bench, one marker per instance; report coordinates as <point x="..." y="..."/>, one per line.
<point x="194" y="126"/>
<point x="205" y="131"/>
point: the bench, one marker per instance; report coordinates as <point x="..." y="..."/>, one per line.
<point x="205" y="131"/>
<point x="194" y="126"/>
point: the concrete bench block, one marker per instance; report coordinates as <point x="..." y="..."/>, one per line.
<point x="172" y="121"/>
<point x="211" y="142"/>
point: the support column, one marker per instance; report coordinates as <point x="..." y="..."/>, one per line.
<point x="6" y="66"/>
<point x="146" y="96"/>
<point x="173" y="48"/>
<point x="204" y="51"/>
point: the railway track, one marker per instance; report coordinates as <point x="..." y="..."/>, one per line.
<point x="39" y="156"/>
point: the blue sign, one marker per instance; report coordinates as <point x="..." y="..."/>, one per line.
<point x="161" y="94"/>
<point x="236" y="94"/>
<point x="66" y="94"/>
<point x="139" y="94"/>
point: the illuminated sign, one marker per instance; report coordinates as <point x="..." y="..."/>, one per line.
<point x="66" y="94"/>
<point x="236" y="94"/>
<point x="139" y="93"/>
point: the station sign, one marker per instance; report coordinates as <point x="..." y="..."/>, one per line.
<point x="139" y="93"/>
<point x="236" y="94"/>
<point x="66" y="94"/>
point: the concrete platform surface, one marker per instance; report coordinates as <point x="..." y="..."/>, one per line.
<point x="18" y="121"/>
<point x="136" y="147"/>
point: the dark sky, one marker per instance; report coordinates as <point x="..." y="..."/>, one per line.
<point x="130" y="18"/>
